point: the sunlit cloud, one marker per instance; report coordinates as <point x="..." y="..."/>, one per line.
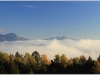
<point x="70" y="48"/>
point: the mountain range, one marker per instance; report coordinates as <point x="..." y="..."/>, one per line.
<point x="11" y="37"/>
<point x="14" y="37"/>
<point x="59" y="38"/>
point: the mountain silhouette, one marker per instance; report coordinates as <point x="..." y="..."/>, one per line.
<point x="59" y="38"/>
<point x="11" y="37"/>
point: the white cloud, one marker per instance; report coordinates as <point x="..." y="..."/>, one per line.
<point x="30" y="6"/>
<point x="70" y="48"/>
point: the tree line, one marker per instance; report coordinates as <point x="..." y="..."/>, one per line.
<point x="36" y="64"/>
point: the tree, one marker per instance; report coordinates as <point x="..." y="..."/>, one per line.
<point x="45" y="60"/>
<point x="30" y="62"/>
<point x="70" y="62"/>
<point x="14" y="70"/>
<point x="88" y="66"/>
<point x="17" y="54"/>
<point x="57" y="58"/>
<point x="64" y="60"/>
<point x="82" y="59"/>
<point x="89" y="60"/>
<point x="98" y="58"/>
<point x="29" y="59"/>
<point x="18" y="58"/>
<point x="11" y="57"/>
<point x="96" y="67"/>
<point x="4" y="59"/>
<point x="36" y="55"/>
<point x="76" y="60"/>
<point x="19" y="62"/>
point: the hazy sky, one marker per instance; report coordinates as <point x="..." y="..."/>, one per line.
<point x="34" y="20"/>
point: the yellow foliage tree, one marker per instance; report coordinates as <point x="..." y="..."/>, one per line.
<point x="11" y="57"/>
<point x="5" y="57"/>
<point x="29" y="61"/>
<point x="96" y="68"/>
<point x="70" y="62"/>
<point x="64" y="60"/>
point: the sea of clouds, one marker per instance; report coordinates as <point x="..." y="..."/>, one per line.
<point x="71" y="48"/>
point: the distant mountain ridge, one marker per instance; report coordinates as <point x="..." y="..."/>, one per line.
<point x="14" y="37"/>
<point x="11" y="37"/>
<point x="59" y="38"/>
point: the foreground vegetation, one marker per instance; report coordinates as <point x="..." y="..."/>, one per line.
<point x="36" y="64"/>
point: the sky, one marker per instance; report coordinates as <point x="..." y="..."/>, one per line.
<point x="38" y="20"/>
<point x="45" y="19"/>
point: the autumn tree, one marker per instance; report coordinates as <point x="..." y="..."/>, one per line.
<point x="30" y="62"/>
<point x="96" y="67"/>
<point x="11" y="57"/>
<point x="4" y="57"/>
<point x="82" y="59"/>
<point x="45" y="60"/>
<point x="64" y="60"/>
<point x="70" y="62"/>
<point x="5" y="61"/>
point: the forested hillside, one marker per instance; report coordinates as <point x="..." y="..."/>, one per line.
<point x="40" y="64"/>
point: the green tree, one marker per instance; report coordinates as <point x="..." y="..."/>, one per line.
<point x="57" y="58"/>
<point x="37" y="57"/>
<point x="17" y="54"/>
<point x="18" y="59"/>
<point x="89" y="60"/>
<point x="98" y="58"/>
<point x="14" y="70"/>
<point x="76" y="60"/>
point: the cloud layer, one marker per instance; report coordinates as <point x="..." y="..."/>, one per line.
<point x="70" y="48"/>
